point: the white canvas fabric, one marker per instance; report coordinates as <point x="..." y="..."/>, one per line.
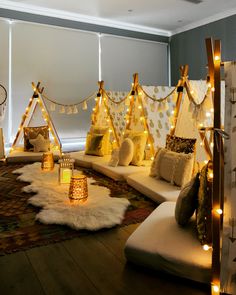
<point x="156" y="189"/>
<point x="161" y="244"/>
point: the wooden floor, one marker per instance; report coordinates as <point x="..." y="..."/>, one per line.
<point x="93" y="264"/>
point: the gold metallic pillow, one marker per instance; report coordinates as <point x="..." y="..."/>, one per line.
<point x="32" y="133"/>
<point x="204" y="208"/>
<point x="94" y="144"/>
<point x="180" y="144"/>
<point x="107" y="147"/>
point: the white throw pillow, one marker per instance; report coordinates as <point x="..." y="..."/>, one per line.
<point x="114" y="158"/>
<point x="153" y="169"/>
<point x="126" y="152"/>
<point x="176" y="168"/>
<point x="40" y="144"/>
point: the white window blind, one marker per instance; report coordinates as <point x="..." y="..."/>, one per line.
<point x="66" y="63"/>
<point x="122" y="57"/>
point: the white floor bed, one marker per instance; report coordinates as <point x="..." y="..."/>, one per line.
<point x="120" y="173"/>
<point x="156" y="189"/>
<point x="161" y="244"/>
<point x="86" y="161"/>
<point x="20" y="156"/>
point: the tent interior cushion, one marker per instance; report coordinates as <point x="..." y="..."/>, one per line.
<point x="120" y="173"/>
<point x="157" y="189"/>
<point x="161" y="244"/>
<point x="83" y="160"/>
<point x="19" y="155"/>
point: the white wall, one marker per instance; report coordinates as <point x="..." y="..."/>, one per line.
<point x="122" y="57"/>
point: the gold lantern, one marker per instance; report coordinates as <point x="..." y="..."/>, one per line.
<point x="66" y="168"/>
<point x="47" y="161"/>
<point x="78" y="188"/>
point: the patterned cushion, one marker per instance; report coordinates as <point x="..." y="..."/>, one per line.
<point x="139" y="139"/>
<point x="187" y="201"/>
<point x="94" y="144"/>
<point x="180" y="144"/>
<point x="175" y="168"/>
<point x="204" y="206"/>
<point x="32" y="133"/>
<point x="107" y="147"/>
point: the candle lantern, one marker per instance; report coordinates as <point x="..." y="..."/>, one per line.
<point x="78" y="188"/>
<point x="47" y="161"/>
<point x="66" y="168"/>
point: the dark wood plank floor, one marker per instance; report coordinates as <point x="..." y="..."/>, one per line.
<point x="93" y="264"/>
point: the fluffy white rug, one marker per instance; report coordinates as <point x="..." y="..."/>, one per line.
<point x="99" y="211"/>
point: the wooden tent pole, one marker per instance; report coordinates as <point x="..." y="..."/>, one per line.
<point x="180" y="88"/>
<point x="214" y="62"/>
<point x="133" y="92"/>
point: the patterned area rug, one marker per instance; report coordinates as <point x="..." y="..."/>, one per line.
<point x="20" y="231"/>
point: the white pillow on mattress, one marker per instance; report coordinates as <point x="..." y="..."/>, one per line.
<point x="126" y="152"/>
<point x="114" y="158"/>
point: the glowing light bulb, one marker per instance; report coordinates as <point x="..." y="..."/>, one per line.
<point x="212" y="110"/>
<point x="130" y="96"/>
<point x="206" y="247"/>
<point x="140" y="93"/>
<point x="114" y="141"/>
<point x="219" y="211"/>
<point x="217" y="57"/>
<point x="139" y="106"/>
<point x="172" y="112"/>
<point x="215" y="289"/>
<point x="208" y="114"/>
<point x="201" y="143"/>
<point x="205" y="162"/>
<point x="96" y="99"/>
<point x="201" y="125"/>
<point x="212" y="89"/>
<point x="105" y="110"/>
<point x="27" y="109"/>
<point x="192" y="92"/>
<point x="145" y="131"/>
<point x="212" y="144"/>
<point x="108" y="120"/>
<point x="127" y="110"/>
<point x="209" y="85"/>
<point x="38" y="100"/>
<point x="43" y="110"/>
<point x="211" y="175"/>
<point x="19" y="128"/>
<point x="149" y="144"/>
<point x="94" y="109"/>
<point x="127" y="121"/>
<point x="172" y="127"/>
<point x="152" y="158"/>
<point x="30" y="99"/>
<point x="104" y="99"/>
<point x="110" y="130"/>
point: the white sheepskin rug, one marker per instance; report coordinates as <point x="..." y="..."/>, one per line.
<point x="99" y="211"/>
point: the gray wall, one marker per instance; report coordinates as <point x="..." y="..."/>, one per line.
<point x="189" y="47"/>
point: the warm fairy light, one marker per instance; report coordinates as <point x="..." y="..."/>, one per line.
<point x="145" y="131"/>
<point x="201" y="125"/>
<point x="208" y="114"/>
<point x="96" y="99"/>
<point x="141" y="118"/>
<point x="110" y="130"/>
<point x="105" y="110"/>
<point x="201" y="143"/>
<point x="140" y="93"/>
<point x="31" y="99"/>
<point x="217" y="57"/>
<point x="127" y="121"/>
<point x="123" y="133"/>
<point x="132" y="84"/>
<point x="192" y="92"/>
<point x="149" y="144"/>
<point x="38" y="100"/>
<point x="12" y="149"/>
<point x="215" y="289"/>
<point x="43" y="109"/>
<point x="94" y="109"/>
<point x="130" y="96"/>
<point x="205" y="162"/>
<point x="27" y="109"/>
<point x="210" y="175"/>
<point x="212" y="144"/>
<point x="212" y="110"/>
<point x="108" y="120"/>
<point x="127" y="110"/>
<point x="206" y="247"/>
<point x="152" y="158"/>
<point x="104" y="99"/>
<point x="19" y="128"/>
<point x="213" y="89"/>
<point x="114" y="141"/>
<point x="209" y="85"/>
<point x="219" y="211"/>
<point x="172" y="112"/>
<point x="139" y="106"/>
<point x="172" y="127"/>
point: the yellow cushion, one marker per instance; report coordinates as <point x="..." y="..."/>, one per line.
<point x="139" y="140"/>
<point x="94" y="144"/>
<point x="107" y="147"/>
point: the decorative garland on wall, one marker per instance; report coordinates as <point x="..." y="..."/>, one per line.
<point x="3" y="102"/>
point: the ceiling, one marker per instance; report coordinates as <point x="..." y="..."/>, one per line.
<point x="164" y="17"/>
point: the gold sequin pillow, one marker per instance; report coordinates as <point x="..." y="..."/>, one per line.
<point x="204" y="207"/>
<point x="107" y="147"/>
<point x="139" y="140"/>
<point x="32" y="133"/>
<point x="180" y="144"/>
<point x="94" y="144"/>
